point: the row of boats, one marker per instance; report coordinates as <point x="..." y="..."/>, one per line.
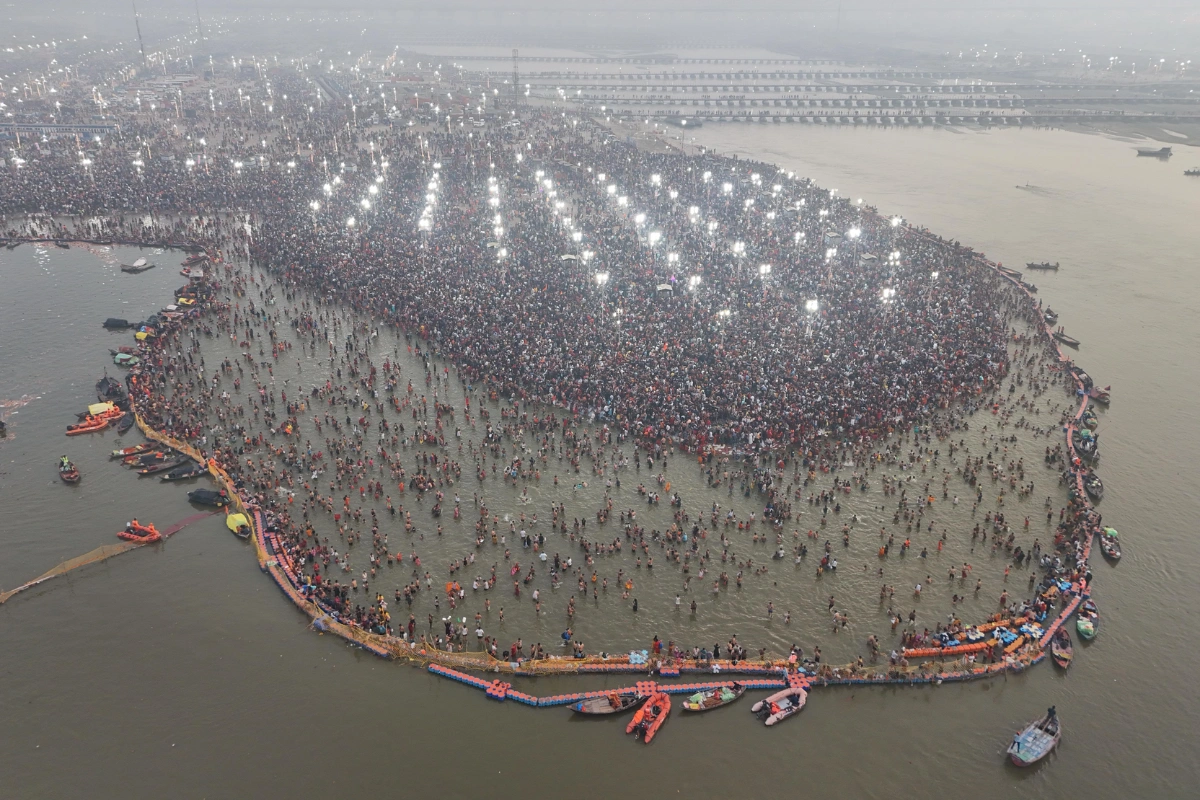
<point x="653" y="710"/>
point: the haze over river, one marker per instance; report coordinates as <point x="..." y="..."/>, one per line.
<point x="179" y="670"/>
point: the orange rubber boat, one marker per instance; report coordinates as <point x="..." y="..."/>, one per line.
<point x="650" y="717"/>
<point x="89" y="425"/>
<point x="143" y="534"/>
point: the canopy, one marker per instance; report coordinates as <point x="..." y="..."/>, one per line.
<point x="235" y="521"/>
<point x="569" y="257"/>
<point x="96" y="409"/>
<point x="141" y="336"/>
<point x="664" y="287"/>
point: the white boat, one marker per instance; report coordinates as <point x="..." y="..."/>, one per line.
<point x="780" y="705"/>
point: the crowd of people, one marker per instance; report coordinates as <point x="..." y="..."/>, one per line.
<point x="560" y="296"/>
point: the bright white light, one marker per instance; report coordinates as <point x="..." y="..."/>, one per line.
<point x="724" y="313"/>
<point x="727" y="187"/>
<point x="314" y="205"/>
<point x="694" y="281"/>
<point x="639" y="218"/>
<point x="612" y="188"/>
<point x="601" y="278"/>
<point x="654" y="237"/>
<point x="811" y="306"/>
<point x="764" y="269"/>
<point x="656" y="179"/>
<point x="350" y="222"/>
<point x="854" y="233"/>
<point x="577" y="236"/>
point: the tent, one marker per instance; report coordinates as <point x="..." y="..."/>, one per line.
<point x="236" y="521"/>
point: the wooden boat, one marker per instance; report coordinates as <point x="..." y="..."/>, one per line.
<point x="109" y="389"/>
<point x="1093" y="486"/>
<point x="135" y="450"/>
<point x="714" y="698"/>
<point x="116" y="324"/>
<point x="138" y="266"/>
<point x="1051" y="317"/>
<point x="1193" y="172"/>
<point x="63" y="245"/>
<point x="1061" y="649"/>
<point x="148" y="459"/>
<point x="126" y="360"/>
<point x="1069" y="341"/>
<point x="1110" y="544"/>
<point x="191" y="470"/>
<point x="1086" y="626"/>
<point x="154" y="469"/>
<point x="780" y="706"/>
<point x="1045" y="265"/>
<point x="68" y="472"/>
<point x="125" y="424"/>
<point x="194" y="260"/>
<point x="614" y="703"/>
<point x="650" y="717"/>
<point x="208" y="497"/>
<point x="1036" y="741"/>
<point x="1012" y="273"/>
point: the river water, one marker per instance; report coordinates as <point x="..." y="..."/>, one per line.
<point x="180" y="669"/>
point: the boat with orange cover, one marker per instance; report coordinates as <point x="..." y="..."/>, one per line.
<point x="650" y="717"/>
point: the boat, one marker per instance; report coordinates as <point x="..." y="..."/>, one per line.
<point x="90" y="424"/>
<point x="1045" y="265"/>
<point x="138" y="266"/>
<point x="1110" y="544"/>
<point x="209" y="497"/>
<point x="1061" y="649"/>
<point x="126" y="360"/>
<point x="650" y="717"/>
<point x="12" y="245"/>
<point x="1193" y="172"/>
<point x="1089" y="420"/>
<point x="1100" y="395"/>
<point x="1069" y="341"/>
<point x="780" y="705"/>
<point x="186" y="471"/>
<point x="714" y="698"/>
<point x="142" y="534"/>
<point x="1036" y="741"/>
<point x="68" y="472"/>
<point x="134" y="450"/>
<point x="109" y="389"/>
<point x="239" y="525"/>
<point x="154" y="469"/>
<point x="1152" y="152"/>
<point x="1086" y="626"/>
<point x="63" y="245"/>
<point x="1093" y="486"/>
<point x="614" y="703"/>
<point x="116" y="324"/>
<point x="125" y="424"/>
<point x="1086" y="444"/>
<point x="1010" y="272"/>
<point x="193" y="260"/>
<point x="149" y="459"/>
